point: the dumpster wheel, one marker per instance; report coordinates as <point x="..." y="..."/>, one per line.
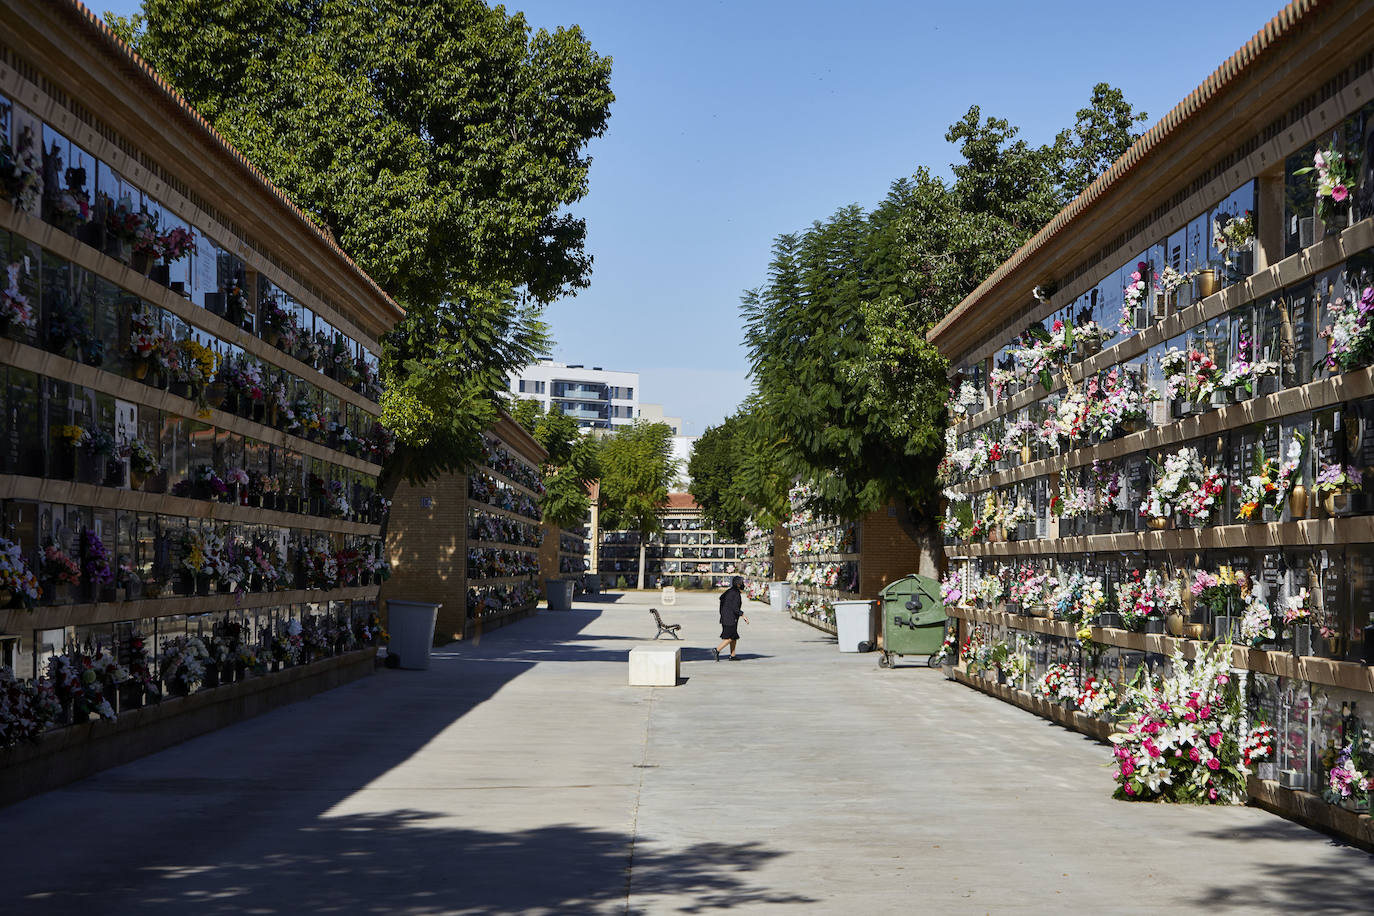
<point x="885" y="660"/>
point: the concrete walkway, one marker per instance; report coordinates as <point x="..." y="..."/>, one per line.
<point x="520" y="775"/>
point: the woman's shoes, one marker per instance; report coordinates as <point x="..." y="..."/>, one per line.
<point x="717" y="651"/>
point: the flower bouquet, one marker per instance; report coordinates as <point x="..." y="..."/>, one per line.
<point x="183" y="664"/>
<point x="1350" y="335"/>
<point x="1133" y="312"/>
<point x="1191" y="377"/>
<point x="57" y="572"/>
<point x="27" y="709"/>
<point x="1347" y="779"/>
<point x="1336" y="178"/>
<point x="1242" y="377"/>
<point x="1234" y="236"/>
<point x="1337" y="484"/>
<point x="1182" y="742"/>
<point x="1257" y="623"/>
<point x="1184" y="485"/>
<point x="1098" y="697"/>
<point x="1058" y="685"/>
<point x="17" y="581"/>
<point x="15" y="310"/>
<point x="1118" y="405"/>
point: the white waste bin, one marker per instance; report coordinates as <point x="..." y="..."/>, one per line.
<point x="560" y="594"/>
<point x="854" y="625"/>
<point x="778" y="595"/>
<point x="411" y="624"/>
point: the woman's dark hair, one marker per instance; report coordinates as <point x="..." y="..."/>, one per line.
<point x="737" y="582"/>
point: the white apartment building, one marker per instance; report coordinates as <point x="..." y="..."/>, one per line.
<point x="596" y="398"/>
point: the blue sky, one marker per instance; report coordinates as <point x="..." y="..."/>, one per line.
<point x="737" y="121"/>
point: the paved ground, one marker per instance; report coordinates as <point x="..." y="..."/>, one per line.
<point x="520" y="775"/>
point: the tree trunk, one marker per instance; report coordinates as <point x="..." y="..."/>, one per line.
<point x="641" y="561"/>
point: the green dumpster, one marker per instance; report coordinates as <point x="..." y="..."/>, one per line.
<point x="913" y="619"/>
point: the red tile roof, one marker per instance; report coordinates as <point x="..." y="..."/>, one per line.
<point x="681" y="501"/>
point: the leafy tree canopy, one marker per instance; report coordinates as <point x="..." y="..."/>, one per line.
<point x="851" y="397"/>
<point x="440" y="142"/>
<point x="637" y="468"/>
<point x="572" y="464"/>
<point x="714" y="470"/>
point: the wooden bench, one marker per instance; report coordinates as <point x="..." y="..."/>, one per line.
<point x="669" y="628"/>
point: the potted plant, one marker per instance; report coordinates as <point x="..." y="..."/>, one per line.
<point x="1337" y="485"/>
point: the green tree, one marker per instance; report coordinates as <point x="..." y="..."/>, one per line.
<point x="850" y="396"/>
<point x="637" y="468"/>
<point x="714" y="469"/>
<point x="440" y="142"/>
<point x="571" y="465"/>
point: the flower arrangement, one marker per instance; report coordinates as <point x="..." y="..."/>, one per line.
<point x="1348" y="778"/>
<point x="1098" y="696"/>
<point x="1336" y="175"/>
<point x="176" y="243"/>
<point x="1258" y="745"/>
<point x="949" y="648"/>
<point x="95" y="564"/>
<point x="1297" y="609"/>
<point x="14" y="305"/>
<point x="1350" y="335"/>
<point x="1000" y="379"/>
<point x="988" y="589"/>
<point x="26" y="709"/>
<point x="81" y="682"/>
<point x="1030" y="586"/>
<point x="15" y="575"/>
<point x="1257" y="623"/>
<point x="1115" y="401"/>
<point x="1233" y="234"/>
<point x="1133" y="295"/>
<point x="1338" y="478"/>
<point x="1170" y="280"/>
<point x="950" y="591"/>
<point x="1183" y="744"/>
<point x="1146" y="597"/>
<point x="183" y="662"/>
<point x="1191" y="375"/>
<point x="1184" y="485"/>
<point x="141" y="457"/>
<point x="1242" y="372"/>
<point x="1057" y="683"/>
<point x="20" y="170"/>
<point x="1219" y="592"/>
<point x="1263" y="489"/>
<point x="56" y="568"/>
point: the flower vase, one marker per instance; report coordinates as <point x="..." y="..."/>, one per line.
<point x="1206" y="283"/>
<point x="1226" y="627"/>
<point x="1159" y="523"/>
<point x="1302" y="639"/>
<point x="1293" y="779"/>
<point x="1338" y="502"/>
<point x="1219" y="398"/>
<point x="202" y="586"/>
<point x="1174" y="623"/>
<point x="1155" y="626"/>
<point x="1269" y="514"/>
<point x="1297" y="502"/>
<point x="141" y="262"/>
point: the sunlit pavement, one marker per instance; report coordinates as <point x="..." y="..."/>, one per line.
<point x="521" y="775"/>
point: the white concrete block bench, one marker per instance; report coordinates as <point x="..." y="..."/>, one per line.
<point x="655" y="666"/>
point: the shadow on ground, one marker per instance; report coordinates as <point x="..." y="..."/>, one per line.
<point x="404" y="862"/>
<point x="1285" y="886"/>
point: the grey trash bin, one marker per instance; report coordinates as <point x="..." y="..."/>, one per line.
<point x="779" y="593"/>
<point x="854" y="625"/>
<point x="560" y="594"/>
<point x="591" y="582"/>
<point x="411" y="624"/>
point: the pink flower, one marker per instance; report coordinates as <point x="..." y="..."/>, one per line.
<point x="1339" y="193"/>
<point x="1205" y="711"/>
<point x="1193" y="755"/>
<point x="1136" y="276"/>
<point x="1129" y="790"/>
<point x="1212" y="794"/>
<point x="1319" y="160"/>
<point x="1214" y="739"/>
<point x="1223" y="679"/>
<point x="1214" y="764"/>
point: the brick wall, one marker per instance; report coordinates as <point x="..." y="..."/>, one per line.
<point x="427" y="543"/>
<point x="782" y="564"/>
<point x="427" y="549"/>
<point x="889" y="548"/>
<point x="548" y="555"/>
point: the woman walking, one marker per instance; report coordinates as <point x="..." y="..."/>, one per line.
<point x="730" y="615"/>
